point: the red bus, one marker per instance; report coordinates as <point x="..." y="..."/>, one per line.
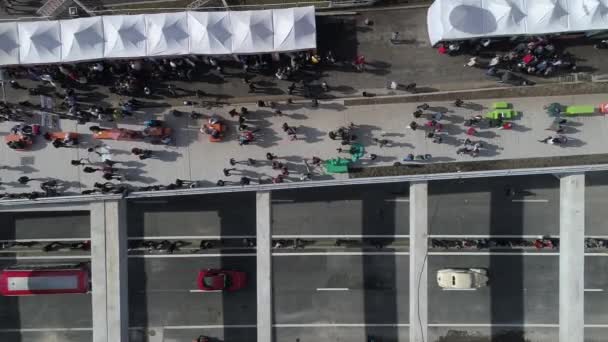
<point x="48" y="279"/>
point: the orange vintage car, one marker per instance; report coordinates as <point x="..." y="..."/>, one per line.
<point x="18" y="142"/>
<point x="215" y="128"/>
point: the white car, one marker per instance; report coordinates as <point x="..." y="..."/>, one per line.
<point x="462" y="278"/>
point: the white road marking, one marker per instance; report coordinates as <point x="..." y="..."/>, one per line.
<point x="47" y="240"/>
<point x="215" y="255"/>
<point x="466" y="236"/>
<point x="487" y="325"/>
<point x="26" y="330"/>
<point x="459" y="289"/>
<point x="352" y="236"/>
<point x="339" y="253"/>
<point x="197" y="290"/>
<point x="45" y="257"/>
<point x="594" y="290"/>
<point x="596" y="254"/>
<point x="192" y="237"/>
<point x="495" y="253"/>
<point x="339" y="325"/>
<point x="211" y="326"/>
<point x="397" y="200"/>
<point x="332" y="289"/>
<point x="531" y="200"/>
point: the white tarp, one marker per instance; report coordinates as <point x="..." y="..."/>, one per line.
<point x="9" y="44"/>
<point x="210" y="33"/>
<point x="163" y="34"/>
<point x="125" y="36"/>
<point x="294" y="28"/>
<point x="252" y="31"/>
<point x="168" y="34"/>
<point x="39" y="42"/>
<point x="81" y="39"/>
<point x="462" y="19"/>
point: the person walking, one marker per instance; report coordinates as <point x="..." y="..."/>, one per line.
<point x="141" y="153"/>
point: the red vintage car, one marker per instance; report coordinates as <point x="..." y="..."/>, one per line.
<point x="220" y="280"/>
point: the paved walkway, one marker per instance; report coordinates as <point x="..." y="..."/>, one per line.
<point x="193" y="157"/>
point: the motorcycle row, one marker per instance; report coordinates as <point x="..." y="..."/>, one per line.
<point x="542" y="243"/>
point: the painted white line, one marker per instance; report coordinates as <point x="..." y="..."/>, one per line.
<point x="397" y="200"/>
<point x="198" y="327"/>
<point x="339" y="325"/>
<point x="531" y="200"/>
<point x="495" y="253"/>
<point x="193" y="291"/>
<point x="47" y="240"/>
<point x="216" y="255"/>
<point x="26" y="330"/>
<point x="352" y="236"/>
<point x="487" y="325"/>
<point x="466" y="236"/>
<point x="459" y="289"/>
<point x="46" y="257"/>
<point x="594" y="290"/>
<point x="596" y="254"/>
<point x="339" y="253"/>
<point x="191" y="237"/>
<point x="332" y="289"/>
<point x="596" y="325"/>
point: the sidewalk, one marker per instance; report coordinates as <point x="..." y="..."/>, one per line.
<point x="193" y="157"/>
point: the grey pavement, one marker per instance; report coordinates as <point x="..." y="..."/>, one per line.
<point x="160" y="293"/>
<point x="362" y="210"/>
<point x="193" y="157"/>
<point x="376" y="289"/>
<point x="481" y="207"/>
<point x="522" y="289"/>
<point x="596" y="279"/>
<point x="222" y="214"/>
<point x="45" y="225"/>
<point x="595" y="203"/>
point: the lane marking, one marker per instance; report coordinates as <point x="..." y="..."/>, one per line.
<point x="47" y="240"/>
<point x="339" y="253"/>
<point x="495" y="253"/>
<point x="594" y="290"/>
<point x="464" y="236"/>
<point x="531" y="200"/>
<point x="459" y="289"/>
<point x="596" y="254"/>
<point x="26" y="330"/>
<point x="210" y="326"/>
<point x="340" y="325"/>
<point x="352" y="236"/>
<point x="197" y="290"/>
<point x="488" y="325"/>
<point x="191" y="237"/>
<point x="397" y="200"/>
<point x="172" y="291"/>
<point x="332" y="289"/>
<point x="216" y="255"/>
<point x="46" y="257"/>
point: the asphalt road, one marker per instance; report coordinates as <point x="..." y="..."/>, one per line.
<point x="222" y="214"/>
<point x="160" y="293"/>
<point x="480" y="206"/>
<point x="352" y="210"/>
<point x="45" y="312"/>
<point x="47" y="225"/>
<point x="523" y="289"/>
<point x="334" y="289"/>
<point x="596" y="203"/>
<point x="596" y="280"/>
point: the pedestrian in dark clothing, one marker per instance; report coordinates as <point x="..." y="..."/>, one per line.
<point x="227" y="171"/>
<point x="220" y="183"/>
<point x="141" y="153"/>
<point x="110" y="176"/>
<point x="270" y="156"/>
<point x="291" y="88"/>
<point x="81" y="161"/>
<point x="285" y="171"/>
<point x="276" y="165"/>
<point x="316" y="161"/>
<point x="251" y="87"/>
<point x="89" y="169"/>
<point x="244" y="181"/>
<point x="24" y="180"/>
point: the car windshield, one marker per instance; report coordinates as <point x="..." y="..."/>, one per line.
<point x="209" y="281"/>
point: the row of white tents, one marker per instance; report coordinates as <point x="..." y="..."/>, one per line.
<point x="164" y="34"/>
<point x="463" y="19"/>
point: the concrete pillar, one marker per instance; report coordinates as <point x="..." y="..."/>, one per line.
<point x="571" y="258"/>
<point x="264" y="265"/>
<point x="418" y="264"/>
<point x="109" y="271"/>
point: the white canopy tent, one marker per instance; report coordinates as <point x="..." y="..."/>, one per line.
<point x="294" y="29"/>
<point x="163" y="34"/>
<point x="39" y="42"/>
<point x="168" y="34"/>
<point x="463" y="19"/>
<point x="9" y="44"/>
<point x="82" y="39"/>
<point x="210" y="33"/>
<point x="125" y="36"/>
<point x="252" y="31"/>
